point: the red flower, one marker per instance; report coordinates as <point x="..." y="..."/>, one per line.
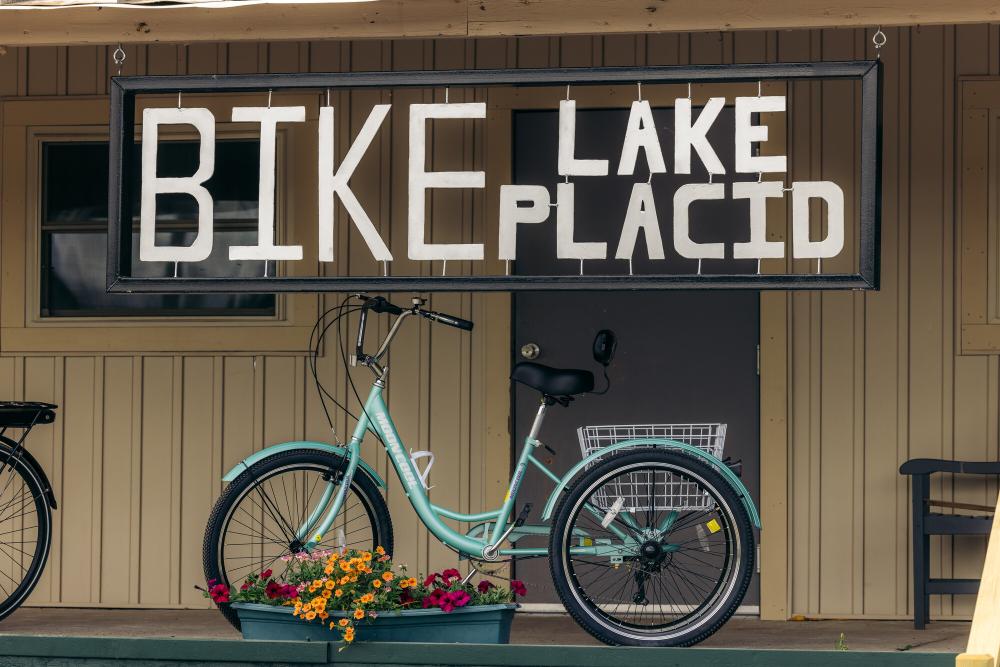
<point x="484" y="586"/>
<point x="266" y="574"/>
<point x="450" y="574"/>
<point x="219" y="593"/>
<point x="518" y="587"/>
<point x="244" y="586"/>
<point x="272" y="590"/>
<point x="405" y="598"/>
<point x="430" y="579"/>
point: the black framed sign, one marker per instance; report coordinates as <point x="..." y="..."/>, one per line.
<point x="683" y="149"/>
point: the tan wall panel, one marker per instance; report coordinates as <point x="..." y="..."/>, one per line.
<point x="872" y="379"/>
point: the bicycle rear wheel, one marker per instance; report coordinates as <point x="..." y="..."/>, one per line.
<point x="255" y="520"/>
<point x="25" y="529"/>
<point x="651" y="547"/>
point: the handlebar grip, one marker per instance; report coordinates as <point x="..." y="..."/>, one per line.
<point x="450" y="320"/>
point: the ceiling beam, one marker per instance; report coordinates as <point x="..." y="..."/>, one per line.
<point x="386" y="19"/>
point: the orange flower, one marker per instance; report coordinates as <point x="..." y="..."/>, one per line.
<point x="388" y="576"/>
<point x="349" y="635"/>
<point x="310" y="616"/>
<point x="328" y="569"/>
<point x="326" y="594"/>
<point x="376" y="584"/>
<point x="330" y="584"/>
<point x="358" y="614"/>
<point x="343" y="622"/>
<point x="366" y="556"/>
<point x="412" y="581"/>
<point x="344" y="579"/>
<point x="404" y="583"/>
<point x="338" y="592"/>
<point x="323" y="616"/>
<point x="366" y="598"/>
<point x="380" y="551"/>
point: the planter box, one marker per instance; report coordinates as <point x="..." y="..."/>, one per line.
<point x="489" y="624"/>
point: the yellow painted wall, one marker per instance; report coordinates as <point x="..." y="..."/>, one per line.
<point x="872" y="378"/>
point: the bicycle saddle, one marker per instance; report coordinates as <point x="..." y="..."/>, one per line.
<point x="553" y="381"/>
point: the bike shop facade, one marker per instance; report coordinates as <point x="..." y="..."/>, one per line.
<point x="161" y="395"/>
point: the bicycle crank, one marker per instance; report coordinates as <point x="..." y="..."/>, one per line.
<point x="492" y="551"/>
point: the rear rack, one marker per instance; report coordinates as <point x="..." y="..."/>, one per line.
<point x="18" y="414"/>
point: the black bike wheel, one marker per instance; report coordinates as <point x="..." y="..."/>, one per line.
<point x="685" y="562"/>
<point x="254" y="521"/>
<point x="25" y="529"/>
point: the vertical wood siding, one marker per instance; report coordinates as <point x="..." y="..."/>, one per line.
<point x="873" y="378"/>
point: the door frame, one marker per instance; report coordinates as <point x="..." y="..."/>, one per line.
<point x="773" y="338"/>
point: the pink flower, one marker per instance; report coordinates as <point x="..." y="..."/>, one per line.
<point x="459" y="598"/>
<point x="518" y="587"/>
<point x="484" y="586"/>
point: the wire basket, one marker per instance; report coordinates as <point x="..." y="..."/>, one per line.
<point x="670" y="491"/>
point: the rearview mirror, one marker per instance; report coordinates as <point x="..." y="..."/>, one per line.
<point x="605" y="344"/>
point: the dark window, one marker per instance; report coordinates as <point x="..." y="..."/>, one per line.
<point x="75" y="224"/>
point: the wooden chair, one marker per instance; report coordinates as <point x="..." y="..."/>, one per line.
<point x="927" y="523"/>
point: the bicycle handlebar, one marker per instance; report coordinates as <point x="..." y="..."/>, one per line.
<point x="379" y="304"/>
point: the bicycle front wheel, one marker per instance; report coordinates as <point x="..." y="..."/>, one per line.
<point x="25" y="529"/>
<point x="651" y="547"/>
<point x="259" y="520"/>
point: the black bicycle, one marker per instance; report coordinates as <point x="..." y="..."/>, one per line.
<point x="26" y="504"/>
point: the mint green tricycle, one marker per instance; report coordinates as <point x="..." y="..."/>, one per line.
<point x="650" y="536"/>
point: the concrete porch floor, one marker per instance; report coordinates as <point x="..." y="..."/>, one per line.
<point x="538" y="629"/>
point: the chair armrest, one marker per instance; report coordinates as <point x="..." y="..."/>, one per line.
<point x="928" y="466"/>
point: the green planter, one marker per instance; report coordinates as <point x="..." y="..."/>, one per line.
<point x="488" y="624"/>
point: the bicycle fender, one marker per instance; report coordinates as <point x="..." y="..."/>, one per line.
<point x="50" y="496"/>
<point x="728" y="474"/>
<point x="305" y="444"/>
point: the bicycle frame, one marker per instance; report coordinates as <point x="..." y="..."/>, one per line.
<point x="376" y="415"/>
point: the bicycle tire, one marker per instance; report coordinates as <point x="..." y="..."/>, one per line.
<point x="39" y="557"/>
<point x="727" y="500"/>
<point x="361" y="484"/>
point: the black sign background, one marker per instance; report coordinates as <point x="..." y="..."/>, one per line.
<point x="122" y="163"/>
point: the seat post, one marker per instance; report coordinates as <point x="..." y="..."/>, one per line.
<point x="536" y="426"/>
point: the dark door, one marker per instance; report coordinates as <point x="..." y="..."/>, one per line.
<point x="683" y="357"/>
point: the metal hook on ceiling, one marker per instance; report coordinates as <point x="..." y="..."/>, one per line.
<point x="119" y="57"/>
<point x="879" y="39"/>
